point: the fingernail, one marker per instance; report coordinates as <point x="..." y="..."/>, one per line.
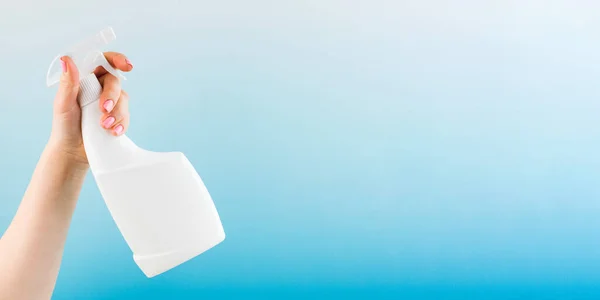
<point x="109" y="121"/>
<point x="119" y="129"/>
<point x="128" y="62"/>
<point x="109" y="105"/>
<point x="63" y="64"/>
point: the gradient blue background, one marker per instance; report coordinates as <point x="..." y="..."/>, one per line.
<point x="354" y="149"/>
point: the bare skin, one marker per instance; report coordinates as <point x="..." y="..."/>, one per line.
<point x="31" y="249"/>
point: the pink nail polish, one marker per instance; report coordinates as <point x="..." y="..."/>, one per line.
<point x="119" y="129"/>
<point x="63" y="64"/>
<point x="108" y="105"/>
<point x="108" y="121"/>
<point x="128" y="62"/>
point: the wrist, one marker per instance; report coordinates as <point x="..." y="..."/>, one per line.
<point x="73" y="159"/>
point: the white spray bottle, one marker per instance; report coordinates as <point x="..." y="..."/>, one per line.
<point x="157" y="199"/>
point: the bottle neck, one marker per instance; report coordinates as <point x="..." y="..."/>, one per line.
<point x="104" y="151"/>
<point x="89" y="90"/>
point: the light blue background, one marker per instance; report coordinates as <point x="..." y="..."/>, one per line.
<point x="354" y="149"/>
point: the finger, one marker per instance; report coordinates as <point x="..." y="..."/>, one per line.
<point x="66" y="97"/>
<point x="111" y="91"/>
<point x="117" y="61"/>
<point x="117" y="121"/>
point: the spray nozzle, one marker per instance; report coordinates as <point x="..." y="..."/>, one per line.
<point x="87" y="57"/>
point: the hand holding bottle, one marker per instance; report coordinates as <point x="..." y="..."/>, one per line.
<point x="66" y="125"/>
<point x="31" y="248"/>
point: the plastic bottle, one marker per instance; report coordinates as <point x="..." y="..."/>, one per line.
<point x="157" y="199"/>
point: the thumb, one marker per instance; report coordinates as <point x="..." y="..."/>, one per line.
<point x="66" y="97"/>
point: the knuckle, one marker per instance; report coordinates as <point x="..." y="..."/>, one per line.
<point x="111" y="91"/>
<point x="110" y="80"/>
<point x="67" y="83"/>
<point x="122" y="115"/>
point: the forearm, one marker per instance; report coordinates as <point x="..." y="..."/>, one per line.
<point x="31" y="248"/>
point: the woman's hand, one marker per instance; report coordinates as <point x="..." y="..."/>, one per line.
<point x="31" y="248"/>
<point x="66" y="124"/>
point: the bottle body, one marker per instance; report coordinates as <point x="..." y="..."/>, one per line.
<point x="157" y="199"/>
